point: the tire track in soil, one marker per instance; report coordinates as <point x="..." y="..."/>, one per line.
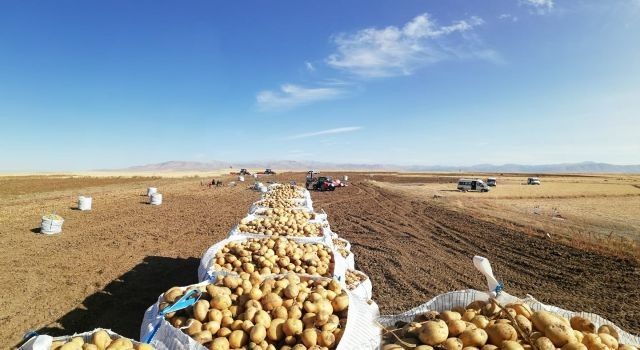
<point x="413" y="250"/>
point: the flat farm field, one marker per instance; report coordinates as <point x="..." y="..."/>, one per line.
<point x="413" y="234"/>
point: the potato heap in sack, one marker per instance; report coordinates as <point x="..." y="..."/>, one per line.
<point x="486" y="326"/>
<point x="100" y="340"/>
<point x="354" y="278"/>
<point x="274" y="255"/>
<point x="248" y="312"/>
<point x="284" y="191"/>
<point x="282" y="222"/>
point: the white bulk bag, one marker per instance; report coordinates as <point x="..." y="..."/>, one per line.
<point x="206" y="272"/>
<point x="151" y="190"/>
<point x="43" y="342"/>
<point x="84" y="203"/>
<point x="50" y="225"/>
<point x="361" y="330"/>
<point x="462" y="298"/>
<point x="155" y="199"/>
<point x="347" y="244"/>
<point x="363" y="289"/>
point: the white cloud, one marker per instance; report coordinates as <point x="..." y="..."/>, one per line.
<point x="309" y="66"/>
<point x="392" y="51"/>
<point x="539" y="6"/>
<point x="325" y="132"/>
<point x="290" y="96"/>
<point x="508" y="17"/>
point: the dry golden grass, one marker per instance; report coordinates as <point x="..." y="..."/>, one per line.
<point x="592" y="212"/>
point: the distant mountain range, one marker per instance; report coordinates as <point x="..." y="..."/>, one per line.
<point x="583" y="167"/>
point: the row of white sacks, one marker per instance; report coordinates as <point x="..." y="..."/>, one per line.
<point x="361" y="330"/>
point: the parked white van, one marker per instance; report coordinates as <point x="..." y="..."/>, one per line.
<point x="533" y="181"/>
<point x="491" y="181"/>
<point x="472" y="185"/>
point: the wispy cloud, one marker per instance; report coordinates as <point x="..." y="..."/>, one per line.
<point x="508" y="17"/>
<point x="309" y="66"/>
<point x="325" y="132"/>
<point x="291" y="95"/>
<point x="392" y="51"/>
<point x="540" y="7"/>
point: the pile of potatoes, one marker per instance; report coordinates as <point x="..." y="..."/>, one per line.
<point x="296" y="214"/>
<point x="248" y="312"/>
<point x="275" y="255"/>
<point x="284" y="192"/>
<point x="339" y="244"/>
<point x="277" y="203"/>
<point x="353" y="279"/>
<point x="345" y="253"/>
<point x="100" y="340"/>
<point x="286" y="224"/>
<point x="487" y="326"/>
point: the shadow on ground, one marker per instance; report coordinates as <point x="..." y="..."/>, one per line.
<point x="120" y="306"/>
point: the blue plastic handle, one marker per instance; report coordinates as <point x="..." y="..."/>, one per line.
<point x="184" y="302"/>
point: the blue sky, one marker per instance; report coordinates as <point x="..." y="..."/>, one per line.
<point x="89" y="85"/>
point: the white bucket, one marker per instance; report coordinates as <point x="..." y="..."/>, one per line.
<point x="156" y="198"/>
<point x="50" y="226"/>
<point x="84" y="203"/>
<point x="241" y="178"/>
<point x="345" y="178"/>
<point x="151" y="190"/>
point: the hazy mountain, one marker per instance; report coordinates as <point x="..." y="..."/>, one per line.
<point x="583" y="167"/>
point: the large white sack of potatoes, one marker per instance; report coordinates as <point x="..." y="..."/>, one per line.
<point x="44" y="342"/>
<point x="360" y="332"/>
<point x="206" y="272"/>
<point x="361" y="286"/>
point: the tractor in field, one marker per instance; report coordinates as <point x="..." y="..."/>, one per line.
<point x="267" y="171"/>
<point x="321" y="183"/>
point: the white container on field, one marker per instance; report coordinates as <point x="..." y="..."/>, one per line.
<point x="155" y="198"/>
<point x="241" y="178"/>
<point x="84" y="203"/>
<point x="151" y="190"/>
<point x="51" y="224"/>
<point x="345" y="178"/>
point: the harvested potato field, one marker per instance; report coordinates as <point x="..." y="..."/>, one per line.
<point x="111" y="263"/>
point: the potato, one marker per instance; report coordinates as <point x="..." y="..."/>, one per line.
<point x="70" y="346"/>
<point x="544" y="343"/>
<point x="452" y="344"/>
<point x="101" y="339"/>
<point x="524" y="324"/>
<point x="608" y="330"/>
<point x="480" y="321"/>
<point x="474" y="337"/>
<point x="609" y="340"/>
<point x="500" y="332"/>
<point x="309" y="337"/>
<point x="238" y="338"/>
<point x="292" y="327"/>
<point x="89" y="347"/>
<point x="456" y="327"/>
<point x="521" y="309"/>
<point x="203" y="337"/>
<point x="511" y="345"/>
<point x="220" y="343"/>
<point x="275" y="332"/>
<point x="258" y="333"/>
<point x="627" y="347"/>
<point x="489" y="347"/>
<point x="200" y="310"/>
<point x="541" y="319"/>
<point x="574" y="346"/>
<point x="582" y="324"/>
<point x="326" y="339"/>
<point x="433" y="332"/>
<point x="560" y="334"/>
<point x="450" y="316"/>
